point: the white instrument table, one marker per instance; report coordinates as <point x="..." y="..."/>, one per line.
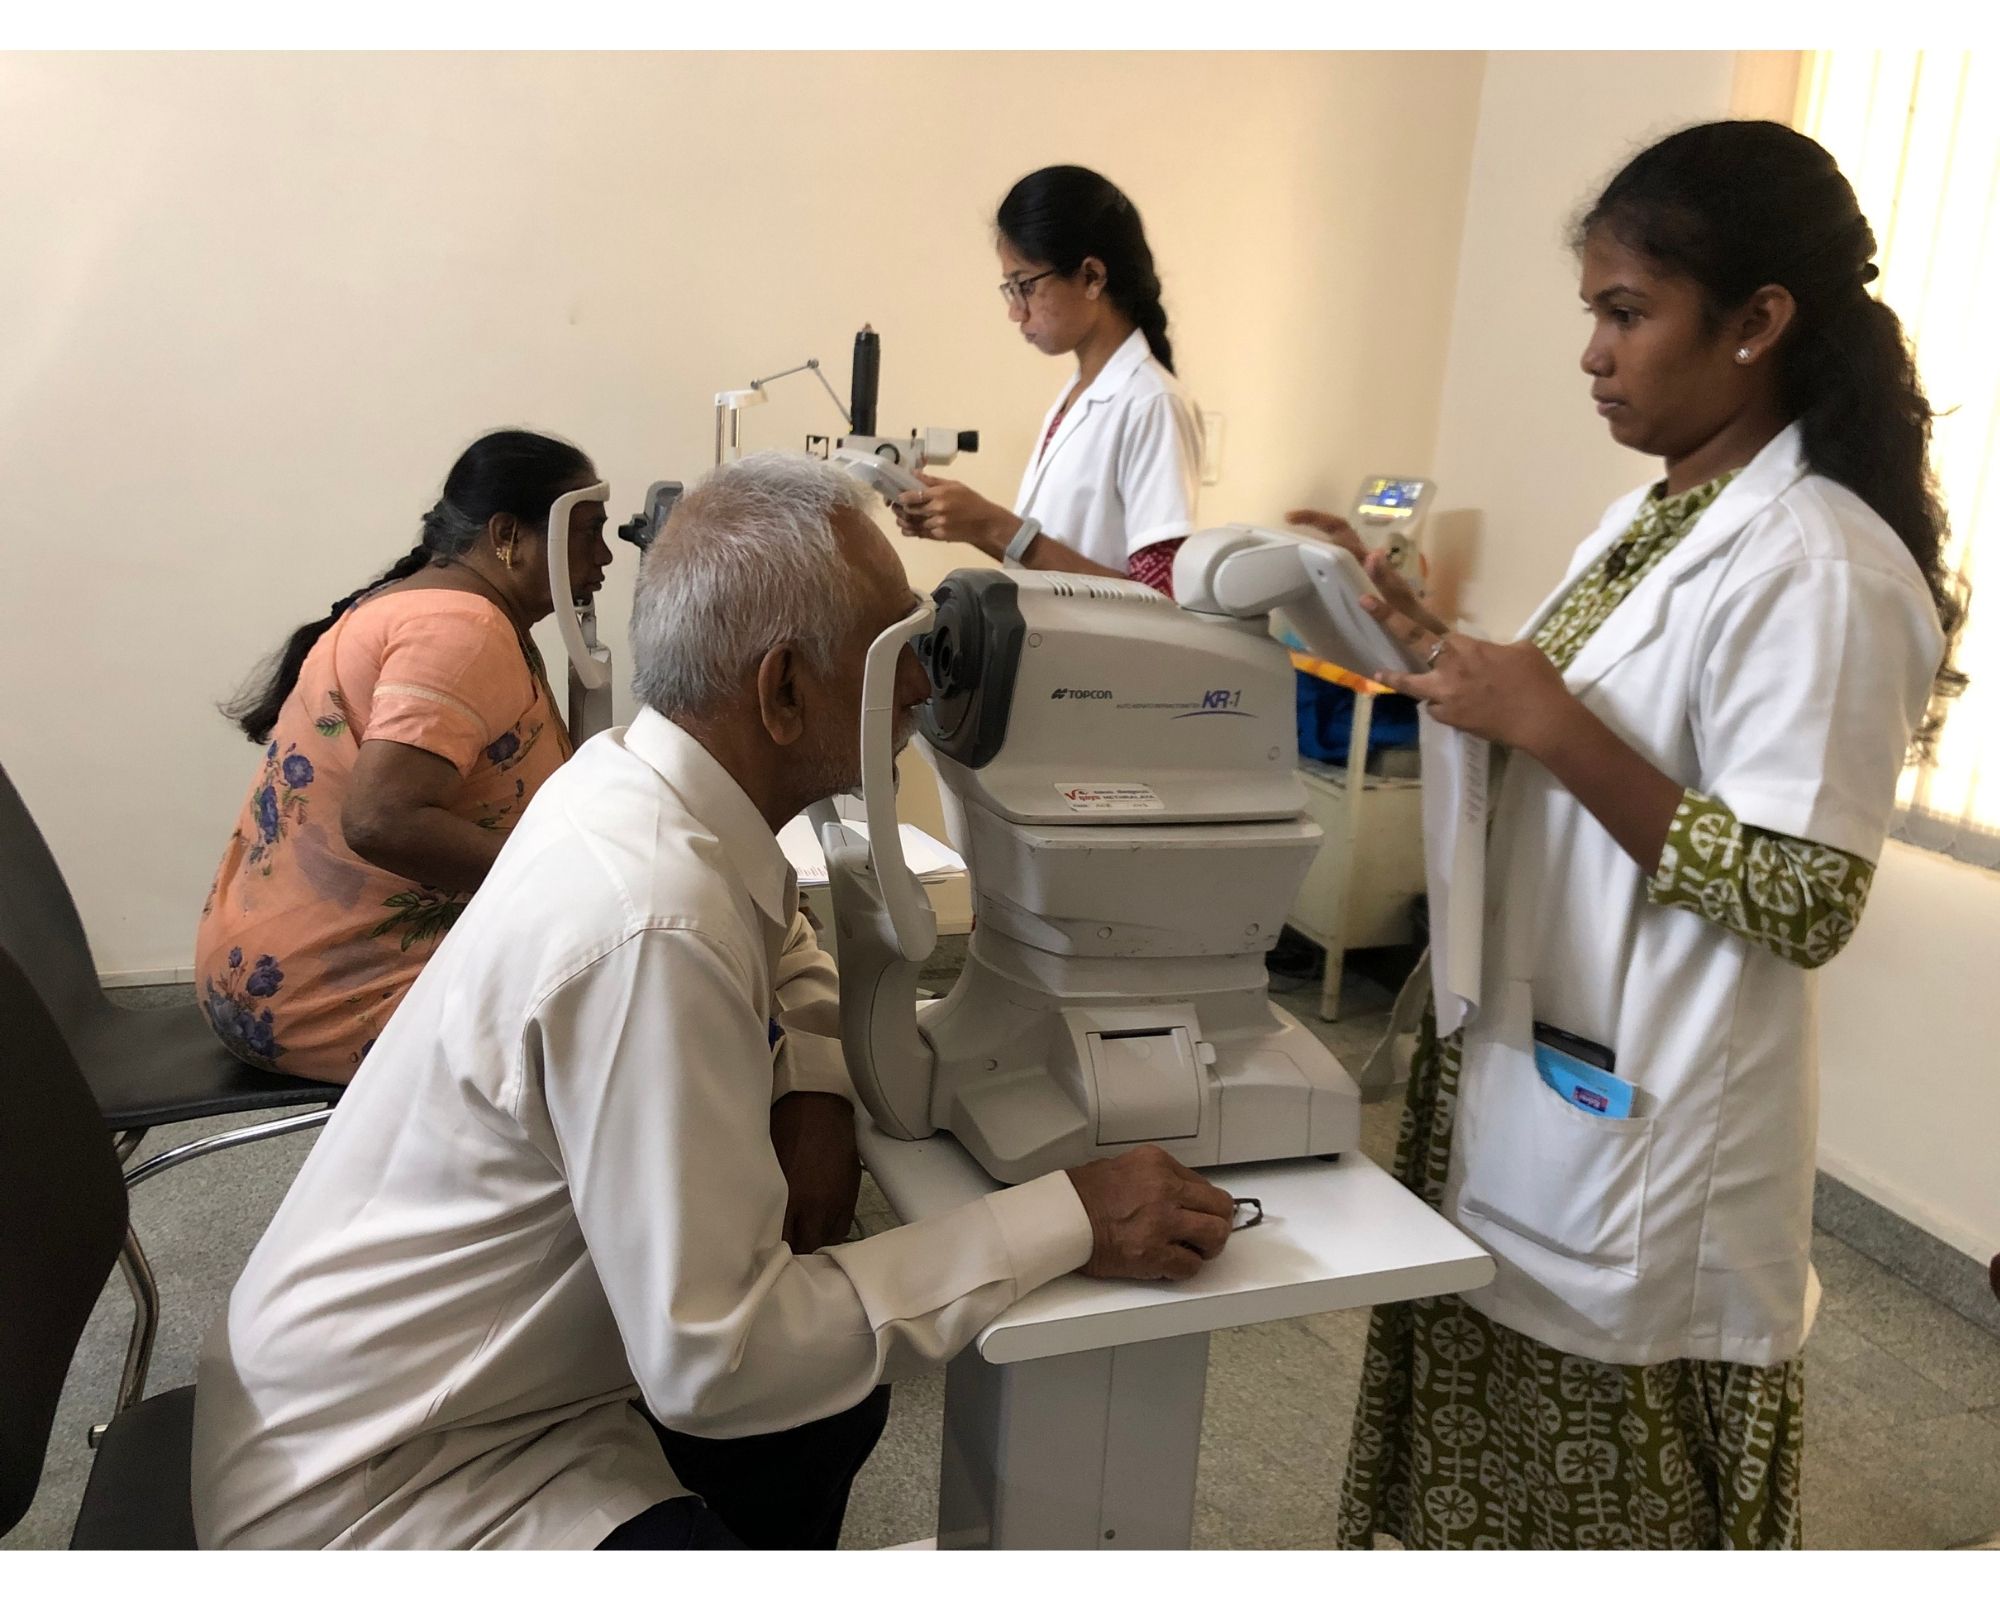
<point x="1074" y="1420"/>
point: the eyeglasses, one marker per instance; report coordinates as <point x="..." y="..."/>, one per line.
<point x="1015" y="290"/>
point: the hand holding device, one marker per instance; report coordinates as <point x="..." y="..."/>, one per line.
<point x="1316" y="590"/>
<point x="947" y="510"/>
<point x="1389" y="581"/>
<point x="882" y="475"/>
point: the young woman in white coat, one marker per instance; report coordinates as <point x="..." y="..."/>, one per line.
<point x="1110" y="488"/>
<point x="1702" y="732"/>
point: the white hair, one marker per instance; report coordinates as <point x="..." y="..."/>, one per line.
<point x="748" y="561"/>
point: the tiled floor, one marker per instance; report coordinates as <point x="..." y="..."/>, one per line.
<point x="1903" y="1421"/>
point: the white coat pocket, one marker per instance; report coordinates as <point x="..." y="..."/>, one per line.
<point x="1525" y="1159"/>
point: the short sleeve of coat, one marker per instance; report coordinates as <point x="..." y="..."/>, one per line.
<point x="1159" y="470"/>
<point x="1810" y="680"/>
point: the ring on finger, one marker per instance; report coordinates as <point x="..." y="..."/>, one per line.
<point x="1437" y="650"/>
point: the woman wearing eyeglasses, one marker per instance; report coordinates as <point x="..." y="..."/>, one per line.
<point x="1111" y="486"/>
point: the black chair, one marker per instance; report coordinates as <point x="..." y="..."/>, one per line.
<point x="63" y="1213"/>
<point x="145" y="1069"/>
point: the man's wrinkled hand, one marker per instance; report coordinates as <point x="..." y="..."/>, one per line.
<point x="813" y="1135"/>
<point x="1150" y="1217"/>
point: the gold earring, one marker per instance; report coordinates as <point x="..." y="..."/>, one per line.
<point x="507" y="557"/>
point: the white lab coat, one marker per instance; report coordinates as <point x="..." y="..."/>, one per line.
<point x="1777" y="660"/>
<point x="1124" y="469"/>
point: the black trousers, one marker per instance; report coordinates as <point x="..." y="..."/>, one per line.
<point x="773" y="1491"/>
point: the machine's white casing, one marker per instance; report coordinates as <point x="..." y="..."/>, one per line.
<point x="589" y="661"/>
<point x="1313" y="589"/>
<point x="888" y="478"/>
<point x="1133" y="845"/>
<point x="880" y="907"/>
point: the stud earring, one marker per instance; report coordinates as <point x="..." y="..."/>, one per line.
<point x="1742" y="352"/>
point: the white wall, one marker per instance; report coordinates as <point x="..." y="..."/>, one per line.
<point x="1910" y="1011"/>
<point x="256" y="304"/>
<point x="1909" y="1019"/>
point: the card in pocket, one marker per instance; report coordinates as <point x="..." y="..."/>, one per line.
<point x="1588" y="1087"/>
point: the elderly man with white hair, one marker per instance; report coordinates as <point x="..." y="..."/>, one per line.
<point x="536" y="1285"/>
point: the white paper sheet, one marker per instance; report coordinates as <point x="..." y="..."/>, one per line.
<point x="930" y="859"/>
<point x="1456" y="767"/>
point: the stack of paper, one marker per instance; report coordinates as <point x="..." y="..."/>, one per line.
<point x="930" y="859"/>
<point x="1455" y="767"/>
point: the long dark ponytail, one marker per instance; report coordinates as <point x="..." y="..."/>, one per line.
<point x="1737" y="205"/>
<point x="1060" y="215"/>
<point x="511" y="471"/>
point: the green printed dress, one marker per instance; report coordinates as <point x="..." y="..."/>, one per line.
<point x="1470" y="1435"/>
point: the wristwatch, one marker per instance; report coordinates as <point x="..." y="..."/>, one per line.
<point x="1017" y="547"/>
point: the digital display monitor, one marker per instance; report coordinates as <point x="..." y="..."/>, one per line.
<point x="1391" y="499"/>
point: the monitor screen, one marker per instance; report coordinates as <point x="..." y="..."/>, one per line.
<point x="1391" y="498"/>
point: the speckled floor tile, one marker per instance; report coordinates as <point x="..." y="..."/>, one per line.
<point x="1853" y="1386"/>
<point x="1919" y="1485"/>
<point x="1931" y="1339"/>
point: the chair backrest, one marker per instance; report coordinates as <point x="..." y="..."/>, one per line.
<point x="62" y="1222"/>
<point x="39" y="926"/>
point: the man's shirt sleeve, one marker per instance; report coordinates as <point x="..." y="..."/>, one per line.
<point x="654" y="1065"/>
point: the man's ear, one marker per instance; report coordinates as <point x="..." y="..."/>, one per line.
<point x="780" y="703"/>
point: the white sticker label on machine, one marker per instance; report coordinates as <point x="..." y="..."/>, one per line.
<point x="1109" y="797"/>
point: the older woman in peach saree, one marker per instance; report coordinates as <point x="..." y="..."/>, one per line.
<point x="401" y="735"/>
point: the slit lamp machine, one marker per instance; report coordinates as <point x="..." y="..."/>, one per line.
<point x="883" y="462"/>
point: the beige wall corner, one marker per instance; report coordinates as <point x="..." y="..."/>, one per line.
<point x="1523" y="465"/>
<point x="1767" y="85"/>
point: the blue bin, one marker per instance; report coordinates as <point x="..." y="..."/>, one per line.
<point x="1326" y="720"/>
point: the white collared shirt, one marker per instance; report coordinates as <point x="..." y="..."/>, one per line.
<point x="551" y="1191"/>
<point x="1124" y="468"/>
